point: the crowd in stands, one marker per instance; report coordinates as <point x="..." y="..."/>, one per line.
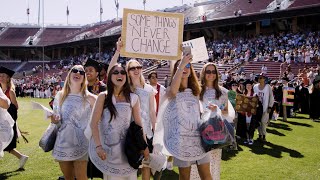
<point x="289" y="47"/>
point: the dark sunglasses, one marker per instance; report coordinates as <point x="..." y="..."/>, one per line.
<point x="116" y="72"/>
<point x="234" y="84"/>
<point x="188" y="65"/>
<point x="77" y="70"/>
<point x="211" y="72"/>
<point x="134" y="68"/>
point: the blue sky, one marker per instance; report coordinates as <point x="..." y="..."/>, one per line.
<point x="81" y="11"/>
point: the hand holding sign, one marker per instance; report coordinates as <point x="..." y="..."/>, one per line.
<point x="119" y="44"/>
<point x="151" y="35"/>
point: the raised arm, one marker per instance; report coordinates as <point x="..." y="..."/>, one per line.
<point x="175" y="84"/>
<point x="116" y="55"/>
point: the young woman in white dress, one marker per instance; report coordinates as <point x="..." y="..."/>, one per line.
<point x="72" y="110"/>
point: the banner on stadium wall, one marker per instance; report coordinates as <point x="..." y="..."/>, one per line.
<point x="152" y="35"/>
<point x="288" y="96"/>
<point x="198" y="49"/>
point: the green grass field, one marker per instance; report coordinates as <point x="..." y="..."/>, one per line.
<point x="293" y="152"/>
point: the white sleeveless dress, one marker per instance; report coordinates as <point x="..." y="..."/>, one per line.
<point x="6" y="124"/>
<point x="71" y="143"/>
<point x="112" y="136"/>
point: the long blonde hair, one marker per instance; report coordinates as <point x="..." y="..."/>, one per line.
<point x="141" y="78"/>
<point x="66" y="87"/>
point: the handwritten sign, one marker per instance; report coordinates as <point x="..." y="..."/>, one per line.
<point x="151" y="35"/>
<point x="198" y="49"/>
<point x="288" y="96"/>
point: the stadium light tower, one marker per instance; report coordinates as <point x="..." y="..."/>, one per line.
<point x="117" y="8"/>
<point x="101" y="12"/>
<point x="68" y="12"/>
<point x="43" y="44"/>
<point x="28" y="10"/>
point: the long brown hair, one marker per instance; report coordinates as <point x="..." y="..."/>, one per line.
<point x="110" y="89"/>
<point x="66" y="87"/>
<point x="204" y="82"/>
<point x="193" y="83"/>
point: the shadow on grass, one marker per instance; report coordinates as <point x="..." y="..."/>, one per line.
<point x="166" y="174"/>
<point x="7" y="175"/>
<point x="273" y="150"/>
<point x="298" y="123"/>
<point x="300" y="117"/>
<point x="275" y="132"/>
<point x="228" y="154"/>
<point x="280" y="126"/>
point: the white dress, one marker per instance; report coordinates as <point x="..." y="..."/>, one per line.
<point x="71" y="143"/>
<point x="177" y="125"/>
<point x="6" y="124"/>
<point x="112" y="135"/>
<point x="144" y="95"/>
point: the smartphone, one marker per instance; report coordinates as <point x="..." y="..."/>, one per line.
<point x="186" y="50"/>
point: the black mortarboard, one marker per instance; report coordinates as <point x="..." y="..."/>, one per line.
<point x="285" y="79"/>
<point x="7" y="71"/>
<point x="93" y="63"/>
<point x="248" y="81"/>
<point x="316" y="79"/>
<point x="104" y="65"/>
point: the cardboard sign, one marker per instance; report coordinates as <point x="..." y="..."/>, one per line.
<point x="288" y="96"/>
<point x="246" y="104"/>
<point x="198" y="49"/>
<point x="151" y="35"/>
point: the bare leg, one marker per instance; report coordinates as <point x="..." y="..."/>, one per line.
<point x="16" y="153"/>
<point x="80" y="169"/>
<point x="145" y="173"/>
<point x="67" y="169"/>
<point x="184" y="173"/>
<point x="204" y="171"/>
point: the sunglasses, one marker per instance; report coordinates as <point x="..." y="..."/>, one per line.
<point x="116" y="72"/>
<point x="210" y="72"/>
<point x="234" y="84"/>
<point x="134" y="68"/>
<point x="77" y="70"/>
<point x="188" y="65"/>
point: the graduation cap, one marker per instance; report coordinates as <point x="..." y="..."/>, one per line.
<point x="7" y="71"/>
<point x="104" y="65"/>
<point x="248" y="81"/>
<point x="93" y="63"/>
<point x="316" y="79"/>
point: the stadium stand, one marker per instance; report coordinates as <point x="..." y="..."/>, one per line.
<point x="54" y="35"/>
<point x="16" y="36"/>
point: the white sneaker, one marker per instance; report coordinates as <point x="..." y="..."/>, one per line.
<point x="170" y="166"/>
<point x="23" y="161"/>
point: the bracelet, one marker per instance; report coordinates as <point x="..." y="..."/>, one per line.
<point x="98" y="146"/>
